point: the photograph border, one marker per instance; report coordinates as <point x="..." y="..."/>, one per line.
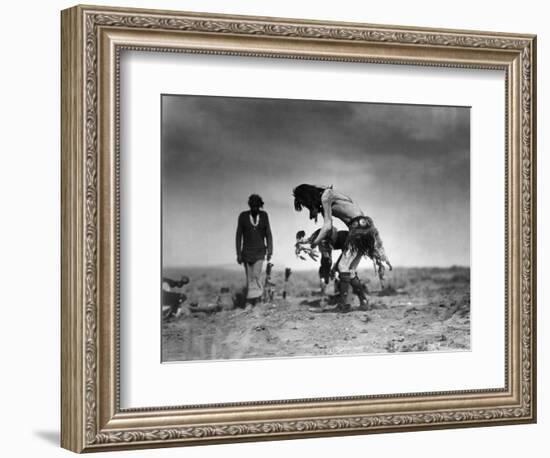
<point x="92" y="40"/>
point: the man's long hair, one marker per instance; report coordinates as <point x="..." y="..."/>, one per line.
<point x="255" y="201"/>
<point x="309" y="196"/>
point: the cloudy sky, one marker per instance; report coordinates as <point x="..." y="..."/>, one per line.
<point x="407" y="166"/>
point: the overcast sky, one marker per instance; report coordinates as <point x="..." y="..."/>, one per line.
<point x="407" y="166"/>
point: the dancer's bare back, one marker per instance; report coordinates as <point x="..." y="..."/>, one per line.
<point x="338" y="205"/>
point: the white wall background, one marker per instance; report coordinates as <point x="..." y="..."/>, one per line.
<point x="29" y="241"/>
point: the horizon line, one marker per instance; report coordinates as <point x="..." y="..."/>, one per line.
<point x="236" y="267"/>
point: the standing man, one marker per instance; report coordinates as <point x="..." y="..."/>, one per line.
<point x="253" y="242"/>
<point x="363" y="238"/>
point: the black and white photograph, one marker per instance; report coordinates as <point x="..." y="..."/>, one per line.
<point x="310" y="228"/>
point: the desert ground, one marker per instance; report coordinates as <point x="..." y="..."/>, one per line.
<point x="419" y="309"/>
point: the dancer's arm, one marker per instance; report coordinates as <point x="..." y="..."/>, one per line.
<point x="327" y="198"/>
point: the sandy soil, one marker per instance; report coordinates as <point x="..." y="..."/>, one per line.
<point x="419" y="310"/>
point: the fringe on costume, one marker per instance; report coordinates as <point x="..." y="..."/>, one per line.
<point x="364" y="239"/>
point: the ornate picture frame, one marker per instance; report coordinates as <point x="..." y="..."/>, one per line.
<point x="92" y="41"/>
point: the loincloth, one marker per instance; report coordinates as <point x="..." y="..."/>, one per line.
<point x="364" y="240"/>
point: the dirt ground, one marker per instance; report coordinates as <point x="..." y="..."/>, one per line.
<point x="420" y="309"/>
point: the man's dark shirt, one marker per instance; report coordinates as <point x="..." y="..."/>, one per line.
<point x="251" y="240"/>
